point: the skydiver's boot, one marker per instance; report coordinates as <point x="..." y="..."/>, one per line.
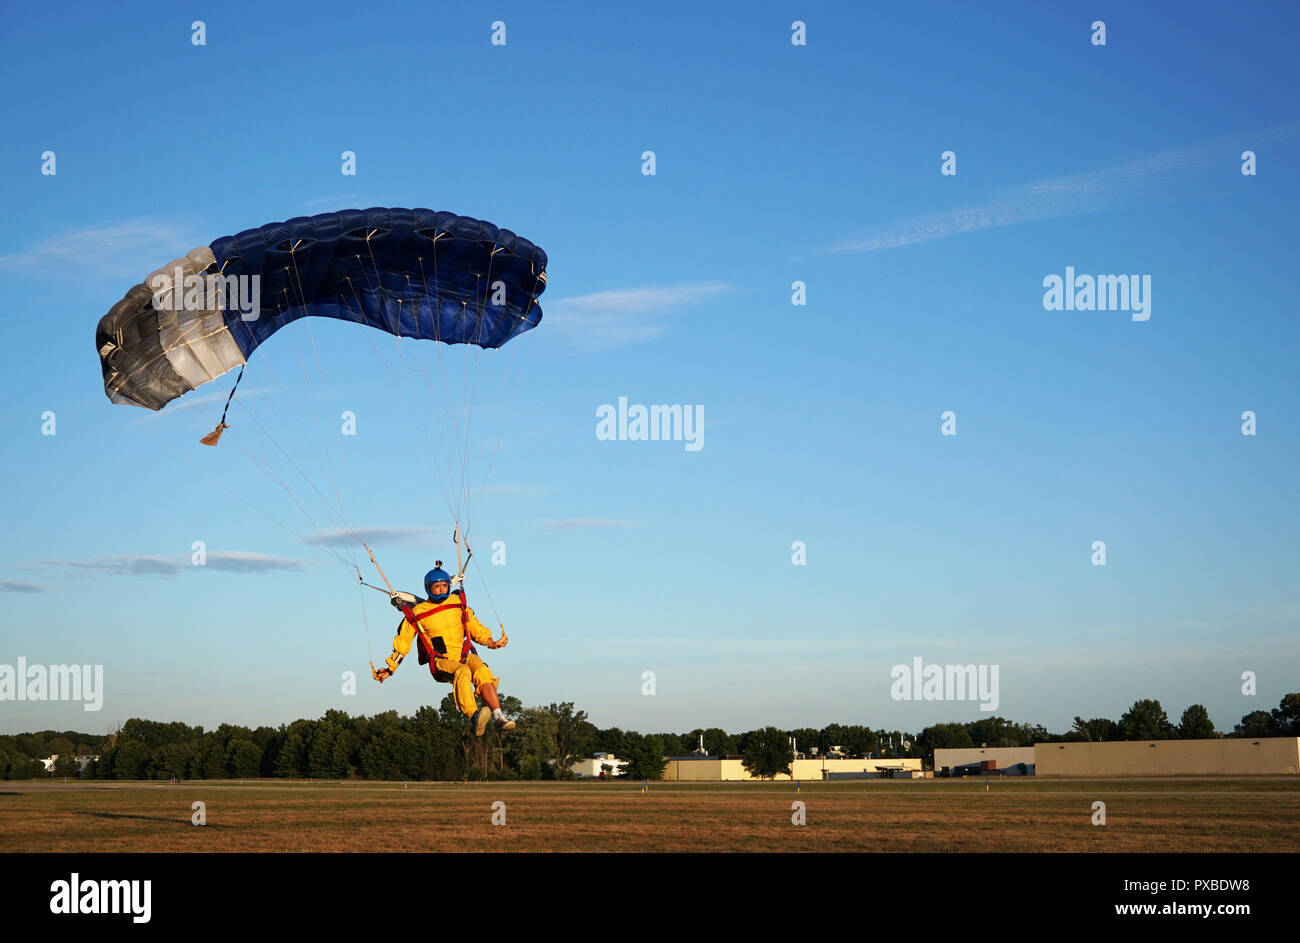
<point x="503" y="722"/>
<point x="481" y="721"/>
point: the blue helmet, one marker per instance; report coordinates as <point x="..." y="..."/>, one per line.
<point x="436" y="575"/>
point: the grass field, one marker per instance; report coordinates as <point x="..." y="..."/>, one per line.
<point x="1180" y="815"/>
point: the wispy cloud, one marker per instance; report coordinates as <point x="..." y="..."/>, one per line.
<point x="125" y="565"/>
<point x="12" y="586"/>
<point x="241" y="561"/>
<point x="1073" y="195"/>
<point x="231" y="561"/>
<point x="625" y="316"/>
<point x="379" y="536"/>
<point x="130" y="249"/>
<point x="586" y="523"/>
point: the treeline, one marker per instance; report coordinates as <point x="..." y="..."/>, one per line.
<point x="21" y="754"/>
<point x="1145" y="720"/>
<point x="437" y="744"/>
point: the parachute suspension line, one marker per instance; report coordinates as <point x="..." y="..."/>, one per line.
<point x="496" y="616"/>
<point x="324" y="459"/>
<point x="262" y="463"/>
<point x="365" y="621"/>
<point x="320" y="372"/>
<point x="466" y="481"/>
<point x="444" y="484"/>
<point x="415" y="407"/>
<point x="501" y="428"/>
<point x="510" y="406"/>
<point x="447" y="435"/>
<point x="213" y="437"/>
<point x="445" y="401"/>
<point x="448" y="492"/>
<point x="265" y="464"/>
<point x="510" y="402"/>
<point x="512" y="389"/>
<point x="222" y="485"/>
<point x="268" y="469"/>
<point x="449" y="489"/>
<point x="460" y="413"/>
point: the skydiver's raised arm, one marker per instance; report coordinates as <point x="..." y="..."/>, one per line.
<point x="481" y="633"/>
<point x="402" y="640"/>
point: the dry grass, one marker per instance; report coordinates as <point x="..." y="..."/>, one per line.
<point x="1179" y="815"/>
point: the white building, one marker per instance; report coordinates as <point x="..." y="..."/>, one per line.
<point x="591" y="767"/>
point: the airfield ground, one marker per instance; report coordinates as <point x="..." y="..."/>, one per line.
<point x="1013" y="815"/>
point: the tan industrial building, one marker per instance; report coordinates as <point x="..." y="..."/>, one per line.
<point x="1001" y="758"/>
<point x="1223" y="757"/>
<point x="719" y="769"/>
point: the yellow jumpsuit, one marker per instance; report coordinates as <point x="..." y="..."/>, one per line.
<point x="439" y="624"/>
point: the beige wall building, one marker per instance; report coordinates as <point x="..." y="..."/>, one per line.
<point x="716" y="769"/>
<point x="1225" y="757"/>
<point x="1002" y="757"/>
<point x="590" y="767"/>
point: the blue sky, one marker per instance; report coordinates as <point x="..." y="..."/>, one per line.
<point x="774" y="163"/>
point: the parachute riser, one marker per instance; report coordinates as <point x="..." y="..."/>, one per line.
<point x="459" y="578"/>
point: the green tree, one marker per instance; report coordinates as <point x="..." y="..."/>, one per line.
<point x="767" y="753"/>
<point x="215" y="761"/>
<point x="940" y="737"/>
<point x="672" y="744"/>
<point x="340" y="765"/>
<point x="1286" y="716"/>
<point x="609" y="740"/>
<point x="394" y="755"/>
<point x="573" y="735"/>
<point x="645" y="757"/>
<point x="995" y="731"/>
<point x="719" y="743"/>
<point x="131" y="760"/>
<point x="320" y="754"/>
<point x="534" y="740"/>
<point x="1097" y="730"/>
<point x="174" y="759"/>
<point x="1196" y="724"/>
<point x="1146" y="720"/>
<point x="245" y="759"/>
<point x="292" y="755"/>
<point x="1255" y="724"/>
<point x="857" y="740"/>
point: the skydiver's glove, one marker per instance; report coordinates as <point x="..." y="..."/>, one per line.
<point x="402" y="600"/>
<point x="382" y="675"/>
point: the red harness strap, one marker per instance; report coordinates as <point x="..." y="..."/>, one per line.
<point x="427" y="656"/>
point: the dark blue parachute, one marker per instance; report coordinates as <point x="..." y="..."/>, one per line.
<point x="414" y="273"/>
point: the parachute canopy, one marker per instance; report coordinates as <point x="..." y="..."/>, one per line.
<point x="412" y="273"/>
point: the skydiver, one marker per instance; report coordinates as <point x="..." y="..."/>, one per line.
<point x="445" y="628"/>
